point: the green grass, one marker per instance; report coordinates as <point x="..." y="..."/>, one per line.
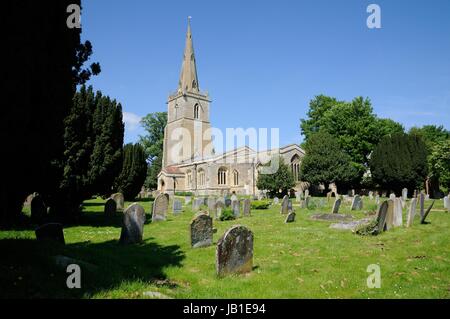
<point x="305" y="259"/>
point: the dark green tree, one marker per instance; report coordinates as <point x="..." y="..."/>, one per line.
<point x="398" y="161"/>
<point x="439" y="164"/>
<point x="279" y="182"/>
<point x="134" y="170"/>
<point x="325" y="163"/>
<point x="153" y="141"/>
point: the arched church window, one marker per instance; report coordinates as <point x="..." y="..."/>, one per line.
<point x="222" y="176"/>
<point x="196" y="111"/>
<point x="201" y="177"/>
<point x="235" y="178"/>
<point x="295" y="167"/>
<point x="189" y="179"/>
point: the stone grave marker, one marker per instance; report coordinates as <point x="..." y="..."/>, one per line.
<point x="118" y="198"/>
<point x="234" y="252"/>
<point x="218" y="209"/>
<point x="187" y="200"/>
<point x="110" y="207"/>
<point x="201" y="229"/>
<point x="236" y="207"/>
<point x="398" y="212"/>
<point x="422" y="204"/>
<point x="404" y="194"/>
<point x="422" y="220"/>
<point x="336" y="205"/>
<point x="290" y="218"/>
<point x="50" y="231"/>
<point x="38" y="209"/>
<point x="211" y="202"/>
<point x="246" y="207"/>
<point x="284" y="205"/>
<point x="390" y="215"/>
<point x="382" y="216"/>
<point x="356" y="203"/>
<point x="276" y="200"/>
<point x="177" y="207"/>
<point x="411" y="212"/>
<point x="160" y="208"/>
<point x="133" y="224"/>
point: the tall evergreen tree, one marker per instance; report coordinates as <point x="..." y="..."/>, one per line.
<point x="134" y="170"/>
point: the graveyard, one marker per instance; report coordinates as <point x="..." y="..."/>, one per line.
<point x="304" y="258"/>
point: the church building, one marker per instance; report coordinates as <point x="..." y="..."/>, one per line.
<point x="189" y="160"/>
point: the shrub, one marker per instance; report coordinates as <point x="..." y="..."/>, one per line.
<point x="183" y="193"/>
<point x="227" y="214"/>
<point x="260" y="204"/>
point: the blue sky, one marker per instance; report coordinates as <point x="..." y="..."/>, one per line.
<point x="263" y="61"/>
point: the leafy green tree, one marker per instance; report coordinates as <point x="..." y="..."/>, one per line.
<point x="325" y="163"/>
<point x="280" y="181"/>
<point x="153" y="141"/>
<point x="431" y="135"/>
<point x="399" y="160"/>
<point x="134" y="170"/>
<point x="439" y="163"/>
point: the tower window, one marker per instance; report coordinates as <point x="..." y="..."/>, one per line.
<point x="196" y="111"/>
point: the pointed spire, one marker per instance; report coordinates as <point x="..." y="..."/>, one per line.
<point x="188" y="77"/>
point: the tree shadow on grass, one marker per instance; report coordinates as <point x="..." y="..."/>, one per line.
<point x="28" y="268"/>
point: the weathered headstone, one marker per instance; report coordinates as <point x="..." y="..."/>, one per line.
<point x="336" y="205"/>
<point x="298" y="196"/>
<point x="187" y="200"/>
<point x="160" y="208"/>
<point x="133" y="224"/>
<point x="211" y="202"/>
<point x="276" y="200"/>
<point x="290" y="218"/>
<point x="446" y="202"/>
<point x="398" y="212"/>
<point x="177" y="207"/>
<point x="382" y="216"/>
<point x="246" y="207"/>
<point x="290" y="207"/>
<point x="377" y="199"/>
<point x="370" y="195"/>
<point x="196" y="204"/>
<point x="228" y="202"/>
<point x="236" y="207"/>
<point x="38" y="209"/>
<point x="218" y="209"/>
<point x="118" y="198"/>
<point x="422" y="220"/>
<point x="201" y="228"/>
<point x="411" y="212"/>
<point x="306" y="193"/>
<point x="356" y="203"/>
<point x="110" y="207"/>
<point x="284" y="205"/>
<point x="392" y="196"/>
<point x="234" y="253"/>
<point x="50" y="231"/>
<point x="422" y="204"/>
<point x="390" y="215"/>
<point x="306" y="201"/>
<point x="233" y="198"/>
<point x="404" y="194"/>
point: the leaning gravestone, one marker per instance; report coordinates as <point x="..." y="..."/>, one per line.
<point x="284" y="205"/>
<point x="356" y="203"/>
<point x="177" y="207"/>
<point x="218" y="209"/>
<point x="160" y="208"/>
<point x="246" y="207"/>
<point x="390" y="215"/>
<point x="201" y="228"/>
<point x="118" y="198"/>
<point x="422" y="204"/>
<point x="336" y="205"/>
<point x="236" y="207"/>
<point x="38" y="209"/>
<point x="276" y="200"/>
<point x="133" y="224"/>
<point x="110" y="207"/>
<point x="50" y="231"/>
<point x="411" y="212"/>
<point x="422" y="220"/>
<point x="290" y="218"/>
<point x="398" y="212"/>
<point x="234" y="252"/>
<point x="382" y="216"/>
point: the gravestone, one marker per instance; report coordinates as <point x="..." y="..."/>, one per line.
<point x="246" y="207"/>
<point x="306" y="193"/>
<point x="370" y="195"/>
<point x="234" y="252"/>
<point x="196" y="204"/>
<point x="30" y="197"/>
<point x="356" y="203"/>
<point x="392" y="196"/>
<point x="236" y="207"/>
<point x="50" y="231"/>
<point x="411" y="212"/>
<point x="228" y="202"/>
<point x="211" y="202"/>
<point x="234" y="197"/>
<point x="390" y="215"/>
<point x="284" y="205"/>
<point x="306" y="202"/>
<point x="398" y="213"/>
<point x="336" y="205"/>
<point x="422" y="204"/>
<point x="177" y="207"/>
<point x="276" y="200"/>
<point x="160" y="208"/>
<point x="298" y="196"/>
<point x="377" y="199"/>
<point x="218" y="209"/>
<point x="187" y="200"/>
<point x="422" y="220"/>
<point x="110" y="207"/>
<point x="332" y="217"/>
<point x="118" y="198"/>
<point x="290" y="218"/>
<point x="201" y="228"/>
<point x="382" y="216"/>
<point x="446" y="202"/>
<point x="290" y="208"/>
<point x="38" y="209"/>
<point x="404" y="194"/>
<point x="133" y="224"/>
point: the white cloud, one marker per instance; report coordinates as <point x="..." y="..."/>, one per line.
<point x="131" y="121"/>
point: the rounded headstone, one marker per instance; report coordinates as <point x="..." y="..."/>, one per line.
<point x="133" y="224"/>
<point x="201" y="229"/>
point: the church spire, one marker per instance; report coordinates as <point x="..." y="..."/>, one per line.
<point x="188" y="77"/>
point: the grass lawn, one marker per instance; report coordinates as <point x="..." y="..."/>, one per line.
<point x="305" y="259"/>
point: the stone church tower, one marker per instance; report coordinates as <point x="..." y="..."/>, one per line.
<point x="187" y="134"/>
